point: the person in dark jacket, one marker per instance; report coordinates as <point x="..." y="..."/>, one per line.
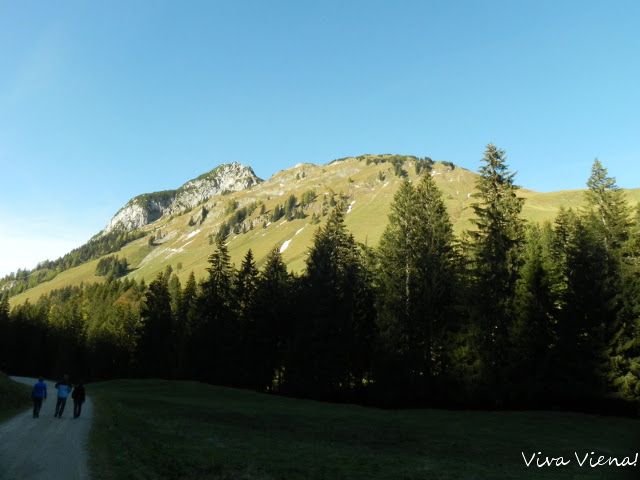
<point x="38" y="394"/>
<point x="78" y="396"/>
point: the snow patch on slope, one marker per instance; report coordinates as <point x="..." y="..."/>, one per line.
<point x="350" y="207"/>
<point x="285" y="245"/>
<point x="192" y="234"/>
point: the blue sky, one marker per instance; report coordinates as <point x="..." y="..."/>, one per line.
<point x="100" y="101"/>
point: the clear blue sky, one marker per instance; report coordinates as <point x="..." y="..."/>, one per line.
<point x="100" y="101"/>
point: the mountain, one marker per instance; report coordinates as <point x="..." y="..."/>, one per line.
<point x="149" y="207"/>
<point x="177" y="227"/>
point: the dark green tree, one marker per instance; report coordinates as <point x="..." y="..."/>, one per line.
<point x="156" y="346"/>
<point x="245" y="283"/>
<point x="269" y="333"/>
<point x="607" y="207"/>
<point x="496" y="244"/>
<point x="216" y="334"/>
<point x="331" y="353"/>
<point x="417" y="284"/>
<point x="186" y="318"/>
<point x="536" y="315"/>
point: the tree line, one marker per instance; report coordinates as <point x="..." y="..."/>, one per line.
<point x="99" y="245"/>
<point x="510" y="314"/>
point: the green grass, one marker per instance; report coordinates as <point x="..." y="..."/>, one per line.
<point x="14" y="397"/>
<point x="184" y="430"/>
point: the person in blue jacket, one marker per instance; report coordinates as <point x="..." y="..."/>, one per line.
<point x="64" y="389"/>
<point x="38" y="394"/>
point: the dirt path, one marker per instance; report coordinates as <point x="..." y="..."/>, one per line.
<point x="45" y="448"/>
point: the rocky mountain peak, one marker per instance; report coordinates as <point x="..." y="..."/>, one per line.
<point x="149" y="207"/>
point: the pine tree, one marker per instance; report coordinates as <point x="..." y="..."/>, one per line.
<point x="175" y="292"/>
<point x="245" y="283"/>
<point x="156" y="347"/>
<point x="216" y="336"/>
<point x="331" y="353"/>
<point x="536" y="316"/>
<point x="5" y="332"/>
<point x="496" y="258"/>
<point x="269" y="334"/>
<point x="624" y="350"/>
<point x="608" y="207"/>
<point x="185" y="325"/>
<point x="608" y="219"/>
<point x="244" y="298"/>
<point x="417" y="283"/>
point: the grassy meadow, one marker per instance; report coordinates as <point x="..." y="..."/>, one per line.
<point x="153" y="429"/>
<point x="13" y="397"/>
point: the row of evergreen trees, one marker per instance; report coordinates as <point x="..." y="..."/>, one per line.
<point x="509" y="315"/>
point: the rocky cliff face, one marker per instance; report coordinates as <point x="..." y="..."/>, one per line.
<point x="149" y="207"/>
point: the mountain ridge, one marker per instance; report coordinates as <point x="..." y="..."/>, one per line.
<point x="183" y="239"/>
<point x="149" y="207"/>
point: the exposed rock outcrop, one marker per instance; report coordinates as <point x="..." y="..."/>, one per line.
<point x="149" y="207"/>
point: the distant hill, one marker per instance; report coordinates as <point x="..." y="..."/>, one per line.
<point x="177" y="227"/>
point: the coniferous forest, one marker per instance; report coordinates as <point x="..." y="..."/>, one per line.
<point x="507" y="315"/>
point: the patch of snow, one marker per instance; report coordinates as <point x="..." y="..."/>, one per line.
<point x="469" y="195"/>
<point x="186" y="244"/>
<point x="385" y="184"/>
<point x="268" y="223"/>
<point x="192" y="234"/>
<point x="285" y="245"/>
<point x="350" y="207"/>
<point x="299" y="230"/>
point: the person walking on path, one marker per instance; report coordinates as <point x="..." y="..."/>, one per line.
<point x="38" y="394"/>
<point x="78" y="396"/>
<point x="64" y="389"/>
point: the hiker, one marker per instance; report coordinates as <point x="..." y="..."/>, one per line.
<point x="78" y="396"/>
<point x="64" y="389"/>
<point x="38" y="394"/>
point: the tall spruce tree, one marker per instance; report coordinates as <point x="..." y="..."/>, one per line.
<point x="608" y="217"/>
<point x="608" y="207"/>
<point x="269" y="334"/>
<point x="245" y="283"/>
<point x="536" y="315"/>
<point x="417" y="285"/>
<point x="624" y="352"/>
<point x="186" y="318"/>
<point x="496" y="244"/>
<point x="156" y="346"/>
<point x="601" y="285"/>
<point x="215" y="339"/>
<point x="5" y="333"/>
<point x="244" y="297"/>
<point x="331" y="353"/>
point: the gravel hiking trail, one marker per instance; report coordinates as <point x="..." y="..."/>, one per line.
<point x="45" y="448"/>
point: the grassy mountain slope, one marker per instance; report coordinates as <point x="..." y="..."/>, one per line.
<point x="366" y="184"/>
<point x="156" y="429"/>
